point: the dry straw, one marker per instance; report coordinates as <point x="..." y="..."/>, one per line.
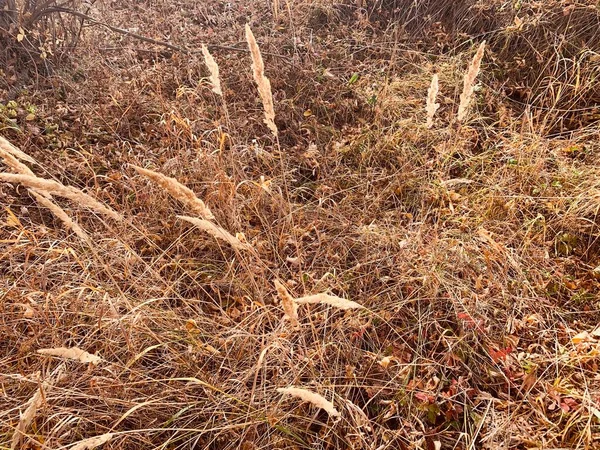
<point x="316" y="399"/>
<point x="216" y="232"/>
<point x="73" y="353"/>
<point x="93" y="442"/>
<point x="178" y="191"/>
<point x="469" y="83"/>
<point x="213" y="68"/>
<point x="263" y="83"/>
<point x="331" y="300"/>
<point x="432" y="106"/>
<point x="288" y="303"/>
<point x="55" y="188"/>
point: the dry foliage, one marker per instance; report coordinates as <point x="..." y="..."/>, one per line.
<point x="474" y="254"/>
<point x="178" y="191"/>
<point x="312" y="397"/>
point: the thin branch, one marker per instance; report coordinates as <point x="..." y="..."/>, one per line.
<point x="149" y="40"/>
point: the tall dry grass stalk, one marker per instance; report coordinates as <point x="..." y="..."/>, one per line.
<point x="213" y="68"/>
<point x="432" y="106"/>
<point x="62" y="215"/>
<point x="263" y="83"/>
<point x="331" y="300"/>
<point x="287" y="302"/>
<point x="56" y="188"/>
<point x="469" y="83"/>
<point x="9" y="148"/>
<point x="308" y="396"/>
<point x="178" y="191"/>
<point x="216" y="231"/>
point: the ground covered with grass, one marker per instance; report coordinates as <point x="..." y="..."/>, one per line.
<point x="471" y="245"/>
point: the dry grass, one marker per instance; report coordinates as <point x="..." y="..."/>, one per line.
<point x="464" y="259"/>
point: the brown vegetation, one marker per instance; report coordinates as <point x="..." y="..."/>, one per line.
<point x="441" y="272"/>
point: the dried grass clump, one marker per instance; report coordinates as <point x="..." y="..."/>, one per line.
<point x="469" y="83"/>
<point x="316" y="399"/>
<point x="432" y="106"/>
<point x="331" y="300"/>
<point x="178" y="191"/>
<point x="216" y="232"/>
<point x="288" y="303"/>
<point x="55" y="188"/>
<point x="213" y="68"/>
<point x="263" y="83"/>
<point x="74" y="353"/>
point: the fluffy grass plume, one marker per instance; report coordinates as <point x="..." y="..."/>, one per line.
<point x="178" y="191"/>
<point x="9" y="148"/>
<point x="263" y="83"/>
<point x="73" y="353"/>
<point x="11" y="161"/>
<point x="26" y="418"/>
<point x="288" y="303"/>
<point x="432" y="106"/>
<point x="312" y="397"/>
<point x="55" y="188"/>
<point x="469" y="83"/>
<point x="213" y="68"/>
<point x="93" y="442"/>
<point x="216" y="231"/>
<point x="62" y="215"/>
<point x="330" y="300"/>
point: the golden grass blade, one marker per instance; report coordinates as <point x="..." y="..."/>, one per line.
<point x="74" y="353"/>
<point x="14" y="151"/>
<point x="316" y="399"/>
<point x="178" y="191"/>
<point x="93" y="442"/>
<point x="26" y="418"/>
<point x="469" y="83"/>
<point x="287" y="301"/>
<point x="330" y="300"/>
<point x="62" y="216"/>
<point x="263" y="83"/>
<point x="56" y="188"/>
<point x="432" y="106"/>
<point x="216" y="231"/>
<point x="213" y="68"/>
